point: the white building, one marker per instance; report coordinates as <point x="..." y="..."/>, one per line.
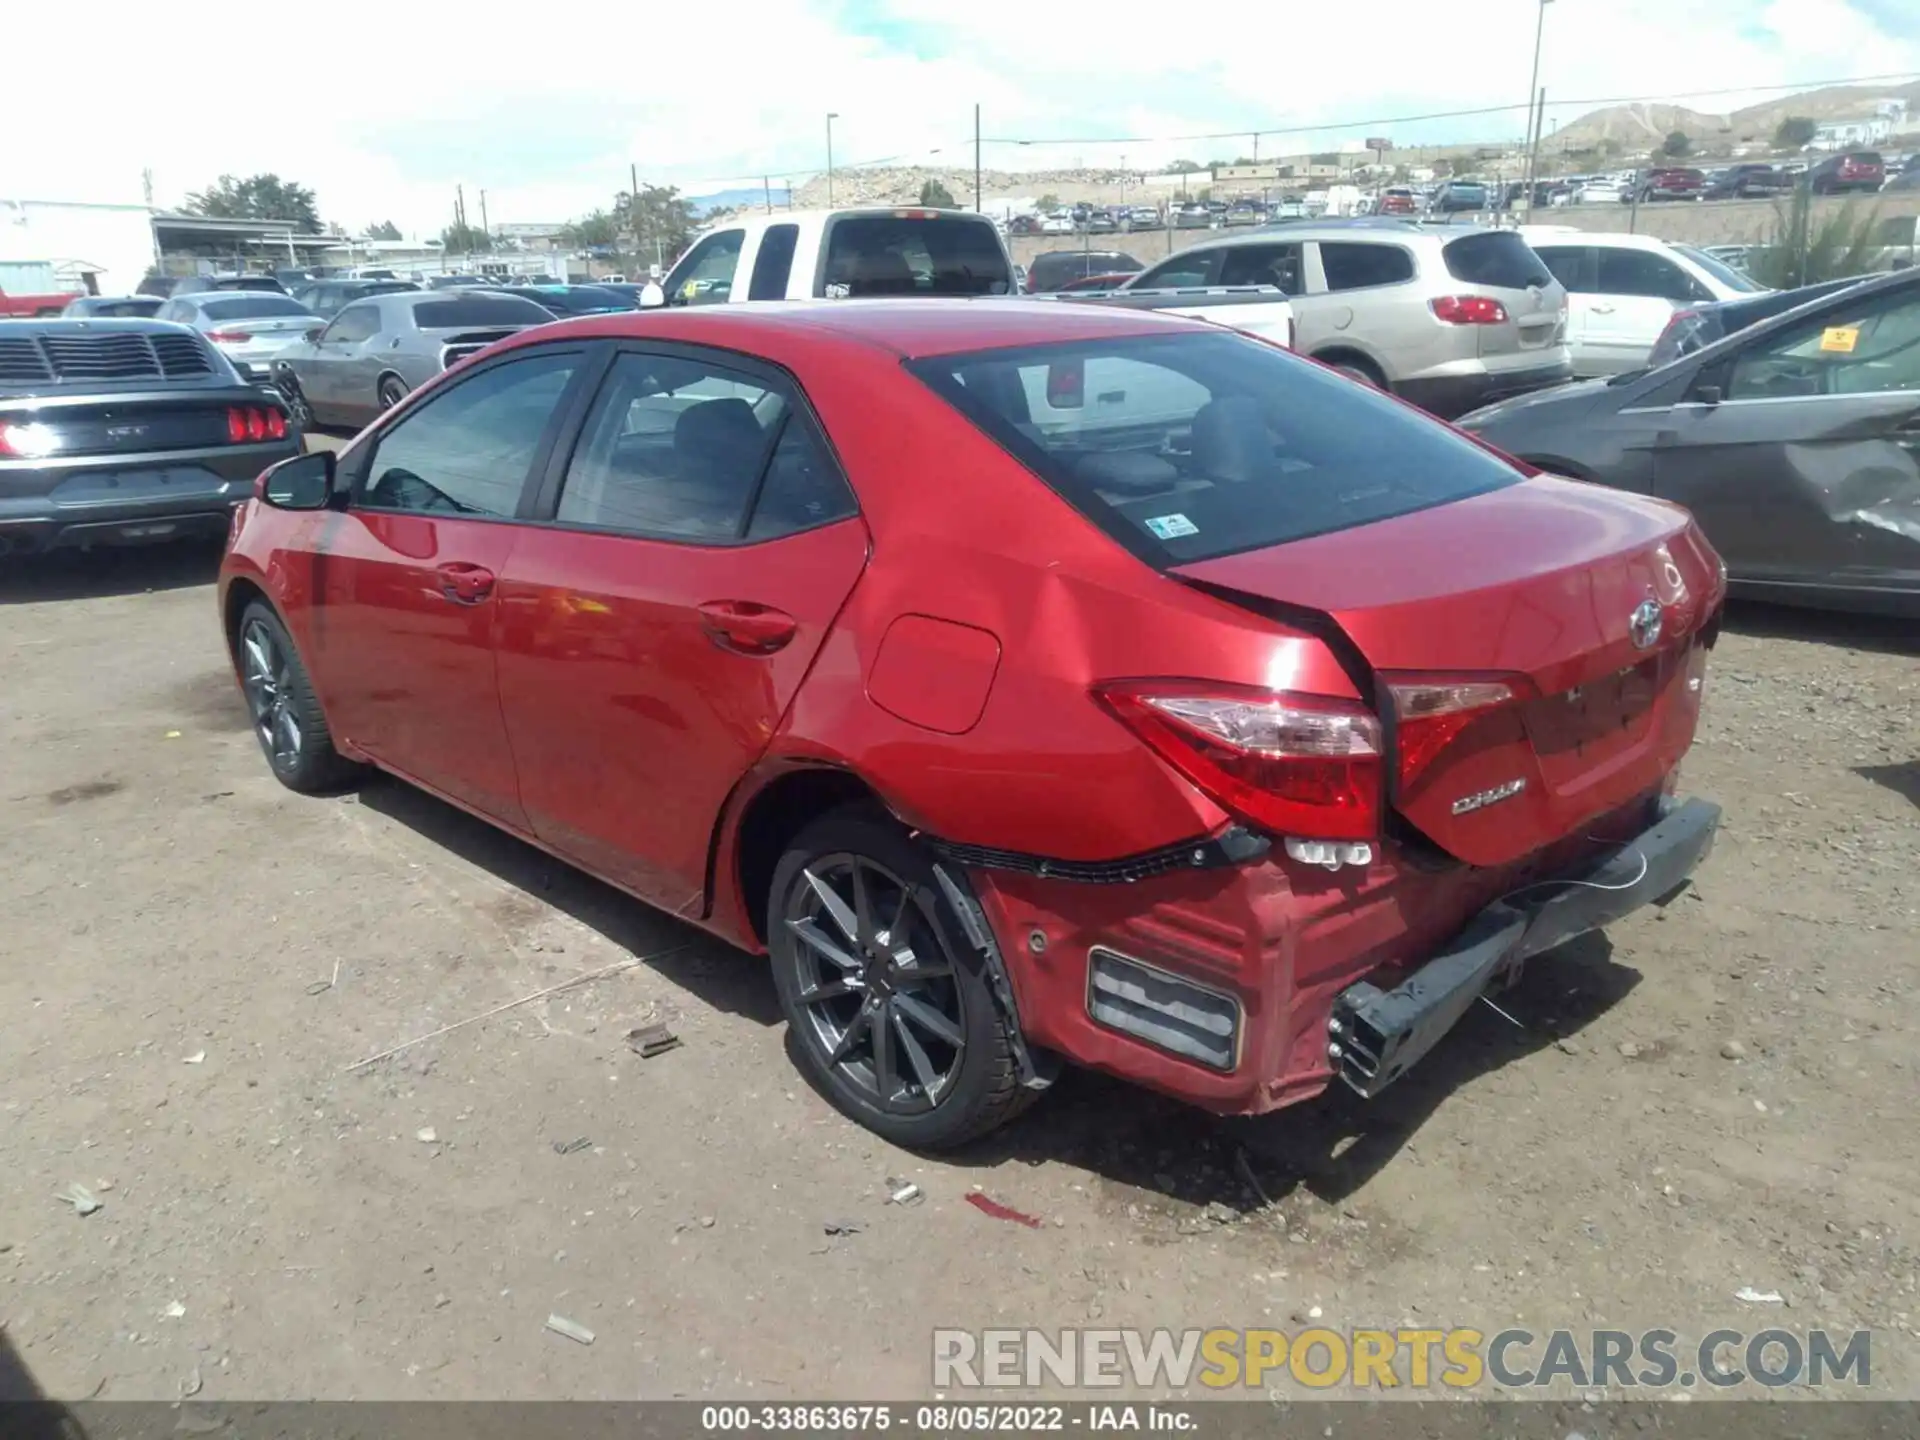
<point x="113" y="243"/>
<point x="1869" y="127"/>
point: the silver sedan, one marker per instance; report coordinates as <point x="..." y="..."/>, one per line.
<point x="376" y="350"/>
<point x="248" y="327"/>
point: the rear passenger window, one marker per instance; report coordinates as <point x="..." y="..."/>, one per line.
<point x="467" y="450"/>
<point x="1569" y="265"/>
<point x="1195" y="267"/>
<point x="676" y="449"/>
<point x="1643" y="273"/>
<point x="1349" y="265"/>
<point x="774" y="263"/>
<point x="1263" y="265"/>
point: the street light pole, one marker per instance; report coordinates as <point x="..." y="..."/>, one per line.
<point x="1533" y="86"/>
<point x="831" y="117"/>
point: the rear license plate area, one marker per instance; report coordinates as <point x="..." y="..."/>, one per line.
<point x="1608" y="709"/>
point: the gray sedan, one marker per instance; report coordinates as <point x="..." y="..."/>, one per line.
<point x="378" y="349"/>
<point x="248" y="327"/>
<point x="1795" y="442"/>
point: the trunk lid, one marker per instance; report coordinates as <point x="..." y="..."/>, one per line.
<point x="1536" y="587"/>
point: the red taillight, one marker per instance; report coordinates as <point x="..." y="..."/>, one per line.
<point x="1469" y="310"/>
<point x="1300" y="765"/>
<point x="249" y="425"/>
<point x="228" y="337"/>
<point x="1431" y="711"/>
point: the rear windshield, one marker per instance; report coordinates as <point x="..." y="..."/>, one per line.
<point x="1189" y="447"/>
<point x="900" y="255"/>
<point x="1864" y="157"/>
<point x="581" y="300"/>
<point x="120" y="309"/>
<point x="251" y="307"/>
<point x="1495" y="257"/>
<point x="1728" y="276"/>
<point x="478" y="310"/>
<point x="1058" y="267"/>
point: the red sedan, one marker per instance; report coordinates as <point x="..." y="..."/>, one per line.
<point x="1030" y="682"/>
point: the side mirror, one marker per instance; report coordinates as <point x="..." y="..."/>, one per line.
<point x="314" y="332"/>
<point x="302" y="483"/>
<point x="652" y="295"/>
<point x="1707" y="395"/>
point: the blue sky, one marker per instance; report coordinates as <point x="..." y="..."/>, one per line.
<point x="549" y="130"/>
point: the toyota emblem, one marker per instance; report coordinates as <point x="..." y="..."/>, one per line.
<point x="1644" y="624"/>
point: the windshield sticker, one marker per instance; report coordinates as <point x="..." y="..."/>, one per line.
<point x="1171" y="527"/>
<point x="1841" y="338"/>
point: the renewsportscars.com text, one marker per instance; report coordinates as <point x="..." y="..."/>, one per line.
<point x="1363" y="1359"/>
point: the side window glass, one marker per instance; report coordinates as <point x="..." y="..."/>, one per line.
<point x="671" y="448"/>
<point x="467" y="451"/>
<point x="1644" y="274"/>
<point x="1351" y="265"/>
<point x="705" y="275"/>
<point x="803" y="487"/>
<point x="1263" y="265"/>
<point x="774" y="263"/>
<point x="1871" y="348"/>
<point x="351" y="325"/>
<point x="1568" y="264"/>
<point x="1182" y="271"/>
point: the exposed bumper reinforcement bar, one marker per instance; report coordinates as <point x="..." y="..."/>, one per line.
<point x="1376" y="1036"/>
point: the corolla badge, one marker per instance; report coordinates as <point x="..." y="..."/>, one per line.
<point x="1644" y="624"/>
<point x="1467" y="804"/>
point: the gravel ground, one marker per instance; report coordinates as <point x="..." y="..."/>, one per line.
<point x="1715" y="1095"/>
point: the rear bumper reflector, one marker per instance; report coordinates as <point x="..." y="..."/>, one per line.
<point x="1164" y="1010"/>
<point x="1375" y="1036"/>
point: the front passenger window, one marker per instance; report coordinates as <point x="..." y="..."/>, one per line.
<point x="705" y="275"/>
<point x="1871" y="347"/>
<point x="468" y="449"/>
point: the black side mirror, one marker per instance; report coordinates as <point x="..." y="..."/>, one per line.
<point x="314" y="332"/>
<point x="302" y="483"/>
<point x="1707" y="395"/>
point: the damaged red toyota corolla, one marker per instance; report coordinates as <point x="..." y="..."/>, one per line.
<point x="1032" y="682"/>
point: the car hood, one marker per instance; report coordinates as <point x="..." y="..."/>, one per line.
<point x="1560" y="404"/>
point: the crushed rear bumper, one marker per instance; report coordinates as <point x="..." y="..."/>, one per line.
<point x="1375" y="1036"/>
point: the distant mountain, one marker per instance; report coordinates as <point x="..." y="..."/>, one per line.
<point x="1635" y="128"/>
<point x="736" y="199"/>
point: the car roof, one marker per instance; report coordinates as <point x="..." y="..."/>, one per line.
<point x="92" y="325"/>
<point x="1574" y="235"/>
<point x="910" y="328"/>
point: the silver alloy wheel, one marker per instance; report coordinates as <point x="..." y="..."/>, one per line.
<point x="267" y="678"/>
<point x="392" y="392"/>
<point x="876" y="983"/>
<point x="297" y="402"/>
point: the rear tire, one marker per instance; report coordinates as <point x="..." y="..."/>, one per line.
<point x="1361" y="371"/>
<point x="392" y="391"/>
<point x="884" y="957"/>
<point x="287" y="719"/>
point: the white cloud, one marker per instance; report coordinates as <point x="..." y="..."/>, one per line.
<point x="386" y="125"/>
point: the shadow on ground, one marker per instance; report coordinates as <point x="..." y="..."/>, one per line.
<point x="90" y="574"/>
<point x="1902" y="779"/>
<point x="711" y="970"/>
<point x="1881" y="634"/>
<point x="1329" y="1147"/>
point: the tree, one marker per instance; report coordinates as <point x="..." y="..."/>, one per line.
<point x="598" y="231"/>
<point x="658" y="223"/>
<point x="1803" y="250"/>
<point x="464" y="239"/>
<point x="1047" y="203"/>
<point x="1794" y="132"/>
<point x="1184" y="167"/>
<point x="1676" y="145"/>
<point x="937" y="195"/>
<point x="385" y="230"/>
<point x="258" y="197"/>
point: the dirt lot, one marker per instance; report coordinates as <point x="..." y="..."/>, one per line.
<point x="192" y="958"/>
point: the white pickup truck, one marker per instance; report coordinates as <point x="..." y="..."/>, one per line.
<point x="838" y="254"/>
<point x="1259" y="310"/>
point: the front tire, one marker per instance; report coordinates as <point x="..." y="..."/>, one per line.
<point x="287" y="719"/>
<point x="891" y="1014"/>
<point x="392" y="391"/>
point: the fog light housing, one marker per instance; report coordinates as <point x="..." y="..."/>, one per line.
<point x="1166" y="1011"/>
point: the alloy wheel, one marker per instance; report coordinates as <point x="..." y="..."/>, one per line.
<point x="267" y="679"/>
<point x="392" y="392"/>
<point x="876" y="983"/>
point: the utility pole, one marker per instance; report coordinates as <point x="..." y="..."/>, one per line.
<point x="485" y="228"/>
<point x="1533" y="132"/>
<point x="633" y="206"/>
<point x="831" y="117"/>
<point x="766" y="189"/>
<point x="976" y="157"/>
<point x="1537" y="122"/>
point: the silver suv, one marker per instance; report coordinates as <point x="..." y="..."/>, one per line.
<point x="1450" y="317"/>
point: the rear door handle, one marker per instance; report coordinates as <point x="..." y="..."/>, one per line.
<point x="747" y="628"/>
<point x="465" y="584"/>
<point x="1601" y="309"/>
